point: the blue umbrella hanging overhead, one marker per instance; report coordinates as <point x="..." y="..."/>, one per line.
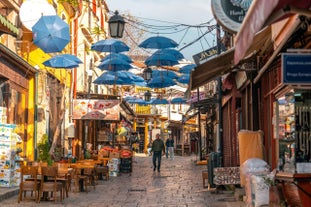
<point x="114" y="78"/>
<point x="114" y="64"/>
<point x="158" y="42"/>
<point x="178" y="55"/>
<point x="178" y="100"/>
<point x="63" y="61"/>
<point x="187" y="68"/>
<point x="117" y="55"/>
<point x="185" y="78"/>
<point x="164" y="74"/>
<point x="110" y="45"/>
<point x="51" y="33"/>
<point x="164" y="59"/>
<point x="160" y="82"/>
<point x="138" y="101"/>
<point x="158" y="101"/>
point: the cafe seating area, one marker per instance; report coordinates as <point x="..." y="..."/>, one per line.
<point x="40" y="182"/>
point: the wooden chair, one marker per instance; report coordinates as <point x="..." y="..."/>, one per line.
<point x="100" y="172"/>
<point x="32" y="185"/>
<point x="64" y="176"/>
<point x="78" y="179"/>
<point x="49" y="182"/>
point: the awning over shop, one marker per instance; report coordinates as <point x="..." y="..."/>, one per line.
<point x="8" y="27"/>
<point x="263" y="13"/>
<point x="223" y="63"/>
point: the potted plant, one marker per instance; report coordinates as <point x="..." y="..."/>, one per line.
<point x="43" y="150"/>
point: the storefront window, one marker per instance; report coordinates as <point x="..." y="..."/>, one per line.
<point x="294" y="109"/>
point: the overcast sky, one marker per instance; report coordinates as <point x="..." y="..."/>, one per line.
<point x="176" y="11"/>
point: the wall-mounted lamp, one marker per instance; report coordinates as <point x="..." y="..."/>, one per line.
<point x="116" y="25"/>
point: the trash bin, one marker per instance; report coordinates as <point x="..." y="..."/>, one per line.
<point x="214" y="160"/>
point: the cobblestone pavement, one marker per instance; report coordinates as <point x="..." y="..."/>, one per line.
<point x="179" y="184"/>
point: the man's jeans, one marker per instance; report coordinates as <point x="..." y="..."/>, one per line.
<point x="157" y="156"/>
<point x="171" y="151"/>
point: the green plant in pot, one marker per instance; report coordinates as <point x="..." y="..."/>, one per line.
<point x="43" y="150"/>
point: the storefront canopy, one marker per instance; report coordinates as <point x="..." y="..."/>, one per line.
<point x="223" y="63"/>
<point x="263" y="13"/>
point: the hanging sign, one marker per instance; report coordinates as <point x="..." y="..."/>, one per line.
<point x="94" y="109"/>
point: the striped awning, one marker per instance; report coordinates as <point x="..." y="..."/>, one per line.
<point x="8" y="27"/>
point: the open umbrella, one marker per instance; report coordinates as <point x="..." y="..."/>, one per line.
<point x="110" y="45"/>
<point x="158" y="42"/>
<point x="164" y="74"/>
<point x="114" y="78"/>
<point x="114" y="64"/>
<point x="178" y="55"/>
<point x="51" y="33"/>
<point x="63" y="61"/>
<point x="178" y="100"/>
<point x="187" y="68"/>
<point x="138" y="101"/>
<point x="164" y="59"/>
<point x="185" y="78"/>
<point x="158" y="101"/>
<point x="117" y="55"/>
<point x="160" y="82"/>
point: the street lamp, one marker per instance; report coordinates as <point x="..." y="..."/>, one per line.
<point x="147" y="96"/>
<point x="116" y="25"/>
<point x="147" y="74"/>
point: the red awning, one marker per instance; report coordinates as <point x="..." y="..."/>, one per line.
<point x="263" y="13"/>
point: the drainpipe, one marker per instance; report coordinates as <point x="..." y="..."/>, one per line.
<point x="36" y="118"/>
<point x="220" y="123"/>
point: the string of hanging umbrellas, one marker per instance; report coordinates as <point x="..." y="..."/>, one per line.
<point x="51" y="34"/>
<point x="116" y="65"/>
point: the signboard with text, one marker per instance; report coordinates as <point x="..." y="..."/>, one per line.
<point x="296" y="69"/>
<point x="95" y="109"/>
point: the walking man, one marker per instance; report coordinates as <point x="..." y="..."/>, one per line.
<point x="157" y="149"/>
<point x="169" y="144"/>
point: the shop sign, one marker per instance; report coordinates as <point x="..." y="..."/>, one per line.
<point x="229" y="13"/>
<point x="95" y="109"/>
<point x="296" y="68"/>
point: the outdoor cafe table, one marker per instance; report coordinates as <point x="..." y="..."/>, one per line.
<point x="82" y="167"/>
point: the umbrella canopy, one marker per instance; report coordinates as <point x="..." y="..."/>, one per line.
<point x="158" y="42"/>
<point x="164" y="59"/>
<point x="178" y="55"/>
<point x="110" y="45"/>
<point x="63" y="61"/>
<point x="160" y="82"/>
<point x="117" y="55"/>
<point x="51" y="34"/>
<point x="178" y="100"/>
<point x="138" y="101"/>
<point x="187" y="68"/>
<point x="114" y="64"/>
<point x="185" y="78"/>
<point x="158" y="101"/>
<point x="114" y="78"/>
<point x="164" y="74"/>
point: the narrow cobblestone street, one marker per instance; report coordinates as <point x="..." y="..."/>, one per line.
<point x="179" y="184"/>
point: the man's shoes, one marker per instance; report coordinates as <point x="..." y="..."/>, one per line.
<point x="154" y="168"/>
<point x="158" y="170"/>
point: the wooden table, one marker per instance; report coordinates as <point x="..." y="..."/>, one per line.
<point x="303" y="183"/>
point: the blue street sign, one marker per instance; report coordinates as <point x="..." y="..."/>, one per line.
<point x="296" y="68"/>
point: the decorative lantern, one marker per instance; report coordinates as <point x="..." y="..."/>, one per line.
<point x="116" y="25"/>
<point x="147" y="96"/>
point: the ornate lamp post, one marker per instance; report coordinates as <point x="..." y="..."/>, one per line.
<point x="116" y="25"/>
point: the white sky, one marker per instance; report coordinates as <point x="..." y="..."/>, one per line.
<point x="192" y="12"/>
